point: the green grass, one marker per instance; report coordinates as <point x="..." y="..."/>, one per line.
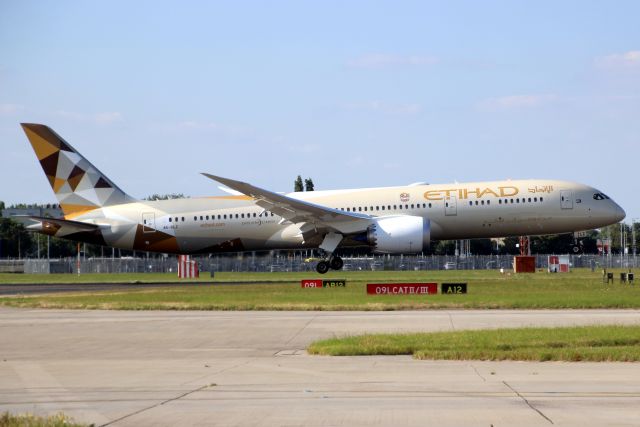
<point x="19" y="279"/>
<point x="588" y="343"/>
<point x="28" y="420"/>
<point x="487" y="289"/>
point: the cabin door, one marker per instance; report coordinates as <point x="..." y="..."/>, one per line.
<point x="148" y="222"/>
<point x="450" y="206"/>
<point x="566" y="199"/>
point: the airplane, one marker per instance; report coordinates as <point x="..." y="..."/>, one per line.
<point x="389" y="220"/>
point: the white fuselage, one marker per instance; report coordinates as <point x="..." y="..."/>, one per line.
<point x="455" y="211"/>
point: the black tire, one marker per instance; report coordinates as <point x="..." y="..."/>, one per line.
<point x="322" y="267"/>
<point x="336" y="263"/>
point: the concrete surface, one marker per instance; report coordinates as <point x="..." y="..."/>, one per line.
<point x="127" y="368"/>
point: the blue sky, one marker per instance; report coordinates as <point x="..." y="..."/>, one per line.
<point x="352" y="94"/>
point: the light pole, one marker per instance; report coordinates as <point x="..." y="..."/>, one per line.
<point x="633" y="239"/>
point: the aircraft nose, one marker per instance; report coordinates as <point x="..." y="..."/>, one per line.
<point x="618" y="213"/>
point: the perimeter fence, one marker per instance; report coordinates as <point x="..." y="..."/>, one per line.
<point x="298" y="262"/>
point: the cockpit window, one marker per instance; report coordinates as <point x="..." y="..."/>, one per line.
<point x="600" y="196"/>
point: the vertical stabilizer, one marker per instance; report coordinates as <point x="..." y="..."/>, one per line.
<point x="79" y="186"/>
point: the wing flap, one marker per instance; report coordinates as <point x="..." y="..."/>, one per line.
<point x="299" y="211"/>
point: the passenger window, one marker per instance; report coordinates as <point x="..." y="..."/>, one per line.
<point x="182" y="219"/>
<point x="499" y="201"/>
<point x="195" y="218"/>
<point x="169" y="219"/>
<point x="482" y="202"/>
<point x="470" y="203"/>
<point x="382" y="207"/>
<point x="412" y="206"/>
<point x="429" y="204"/>
<point x="476" y="203"/>
<point x="488" y="202"/>
<point x="541" y="199"/>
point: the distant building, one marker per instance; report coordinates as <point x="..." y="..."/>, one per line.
<point x="50" y="210"/>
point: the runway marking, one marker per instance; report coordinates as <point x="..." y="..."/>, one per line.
<point x="158" y="404"/>
<point x="527" y="402"/>
<point x="478" y="373"/>
<point x="453" y="328"/>
<point x="302" y="329"/>
<point x="33" y="374"/>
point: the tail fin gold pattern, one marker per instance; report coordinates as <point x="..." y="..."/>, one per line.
<point x="79" y="186"/>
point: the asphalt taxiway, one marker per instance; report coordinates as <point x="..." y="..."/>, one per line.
<point x="127" y="368"/>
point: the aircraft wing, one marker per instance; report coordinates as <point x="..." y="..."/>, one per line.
<point x="298" y="211"/>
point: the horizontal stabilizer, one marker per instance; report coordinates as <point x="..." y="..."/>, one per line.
<point x="52" y="225"/>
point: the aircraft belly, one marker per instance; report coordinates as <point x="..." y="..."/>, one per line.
<point x="254" y="234"/>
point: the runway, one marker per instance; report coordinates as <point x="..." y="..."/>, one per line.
<point x="126" y="368"/>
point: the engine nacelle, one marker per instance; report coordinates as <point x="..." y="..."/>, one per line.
<point x="399" y="234"/>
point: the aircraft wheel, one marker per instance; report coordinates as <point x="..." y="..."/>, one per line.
<point x="322" y="267"/>
<point x="336" y="263"/>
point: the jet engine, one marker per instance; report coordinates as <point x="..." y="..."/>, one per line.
<point x="399" y="234"/>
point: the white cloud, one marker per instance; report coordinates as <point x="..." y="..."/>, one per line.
<point x="103" y="118"/>
<point x="10" y="108"/>
<point x="512" y="102"/>
<point x="407" y="109"/>
<point x="382" y="60"/>
<point x="629" y="59"/>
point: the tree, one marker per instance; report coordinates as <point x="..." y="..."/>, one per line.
<point x="15" y="240"/>
<point x="308" y="184"/>
<point x="297" y="184"/>
<point x="481" y="246"/>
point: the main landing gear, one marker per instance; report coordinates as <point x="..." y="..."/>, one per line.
<point x="328" y="245"/>
<point x="334" y="263"/>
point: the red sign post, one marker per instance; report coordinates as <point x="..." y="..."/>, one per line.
<point x="312" y="283"/>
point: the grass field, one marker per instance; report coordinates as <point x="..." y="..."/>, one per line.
<point x="589" y="343"/>
<point x="282" y="291"/>
<point x="29" y="420"/>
